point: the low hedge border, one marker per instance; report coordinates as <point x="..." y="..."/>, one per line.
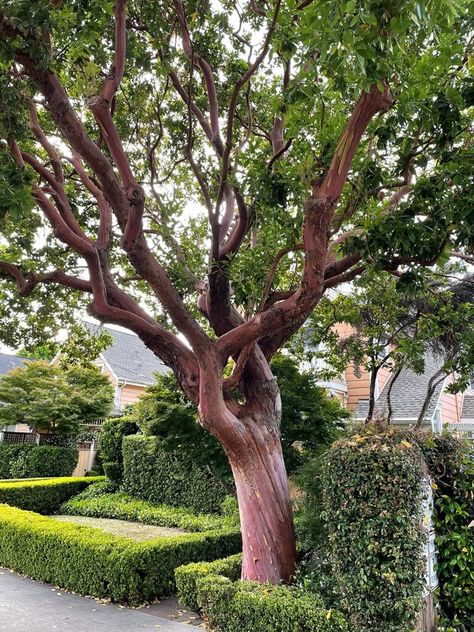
<point x="187" y="577"/>
<point x="124" y="507"/>
<point x="248" y="606"/>
<point x="89" y="561"/>
<point x="43" y="496"/>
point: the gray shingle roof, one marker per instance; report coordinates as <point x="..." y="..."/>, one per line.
<point x="129" y="358"/>
<point x="408" y="394"/>
<point x="467" y="407"/>
<point x="9" y="362"/>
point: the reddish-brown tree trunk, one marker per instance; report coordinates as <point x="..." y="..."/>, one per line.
<point x="266" y="519"/>
<point x="249" y="432"/>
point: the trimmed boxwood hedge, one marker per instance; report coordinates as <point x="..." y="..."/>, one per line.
<point x="43" y="496"/>
<point x="125" y="507"/>
<point x="111" y="434"/>
<point x="187" y="577"/>
<point x="251" y="607"/>
<point x="151" y="473"/>
<point x="95" y="563"/>
<point x="33" y="461"/>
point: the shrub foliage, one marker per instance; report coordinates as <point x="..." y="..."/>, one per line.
<point x="154" y="474"/>
<point x="364" y="457"/>
<point x="124" y="507"/>
<point x="33" y="461"/>
<point x="44" y="496"/>
<point x="372" y="498"/>
<point x="111" y="435"/>
<point x="188" y="576"/>
<point x="247" y="607"/>
<point x="92" y="562"/>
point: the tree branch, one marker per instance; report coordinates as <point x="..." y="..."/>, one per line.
<point x="239" y="367"/>
<point x="112" y="83"/>
<point x="461" y="255"/>
<point x="367" y="106"/>
<point x="47" y="146"/>
<point x="233" y="103"/>
<point x="206" y="70"/>
<point x="105" y="222"/>
<point x="139" y="255"/>
<point x="271" y="274"/>
<point x="59" y="193"/>
<point x="26" y="285"/>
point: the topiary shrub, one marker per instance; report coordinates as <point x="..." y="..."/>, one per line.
<point x="372" y="500"/>
<point x="33" y="461"/>
<point x="50" y="460"/>
<point x="111" y="434"/>
<point x="13" y="458"/>
<point x="154" y="474"/>
<point x="43" y="496"/>
<point x="251" y="607"/>
<point x="95" y="563"/>
<point x="188" y="576"/>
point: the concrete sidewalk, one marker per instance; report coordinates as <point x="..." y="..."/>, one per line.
<point x="29" y="606"/>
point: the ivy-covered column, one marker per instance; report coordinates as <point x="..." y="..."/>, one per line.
<point x="373" y="503"/>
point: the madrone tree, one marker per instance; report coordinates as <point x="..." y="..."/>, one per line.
<point x="295" y="143"/>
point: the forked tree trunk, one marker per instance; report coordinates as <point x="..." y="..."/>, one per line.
<point x="250" y="435"/>
<point x="268" y="540"/>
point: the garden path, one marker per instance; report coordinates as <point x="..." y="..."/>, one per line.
<point x="126" y="529"/>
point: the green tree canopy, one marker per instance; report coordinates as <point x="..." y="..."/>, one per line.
<point x="54" y="400"/>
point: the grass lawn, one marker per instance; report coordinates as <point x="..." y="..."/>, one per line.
<point x="124" y="528"/>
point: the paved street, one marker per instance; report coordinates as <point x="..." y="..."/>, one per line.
<point x="30" y="606"/>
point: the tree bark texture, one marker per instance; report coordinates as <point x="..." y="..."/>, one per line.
<point x="269" y="552"/>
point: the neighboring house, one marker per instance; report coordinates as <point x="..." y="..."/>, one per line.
<point x="354" y="383"/>
<point x="129" y="365"/>
<point x="407" y="398"/>
<point x="352" y="388"/>
<point x="7" y="363"/>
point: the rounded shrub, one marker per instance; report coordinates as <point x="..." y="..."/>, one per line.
<point x="188" y="576"/>
<point x="250" y="607"/>
<point x="51" y="460"/>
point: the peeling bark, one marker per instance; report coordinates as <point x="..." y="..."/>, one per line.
<point x="269" y="552"/>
